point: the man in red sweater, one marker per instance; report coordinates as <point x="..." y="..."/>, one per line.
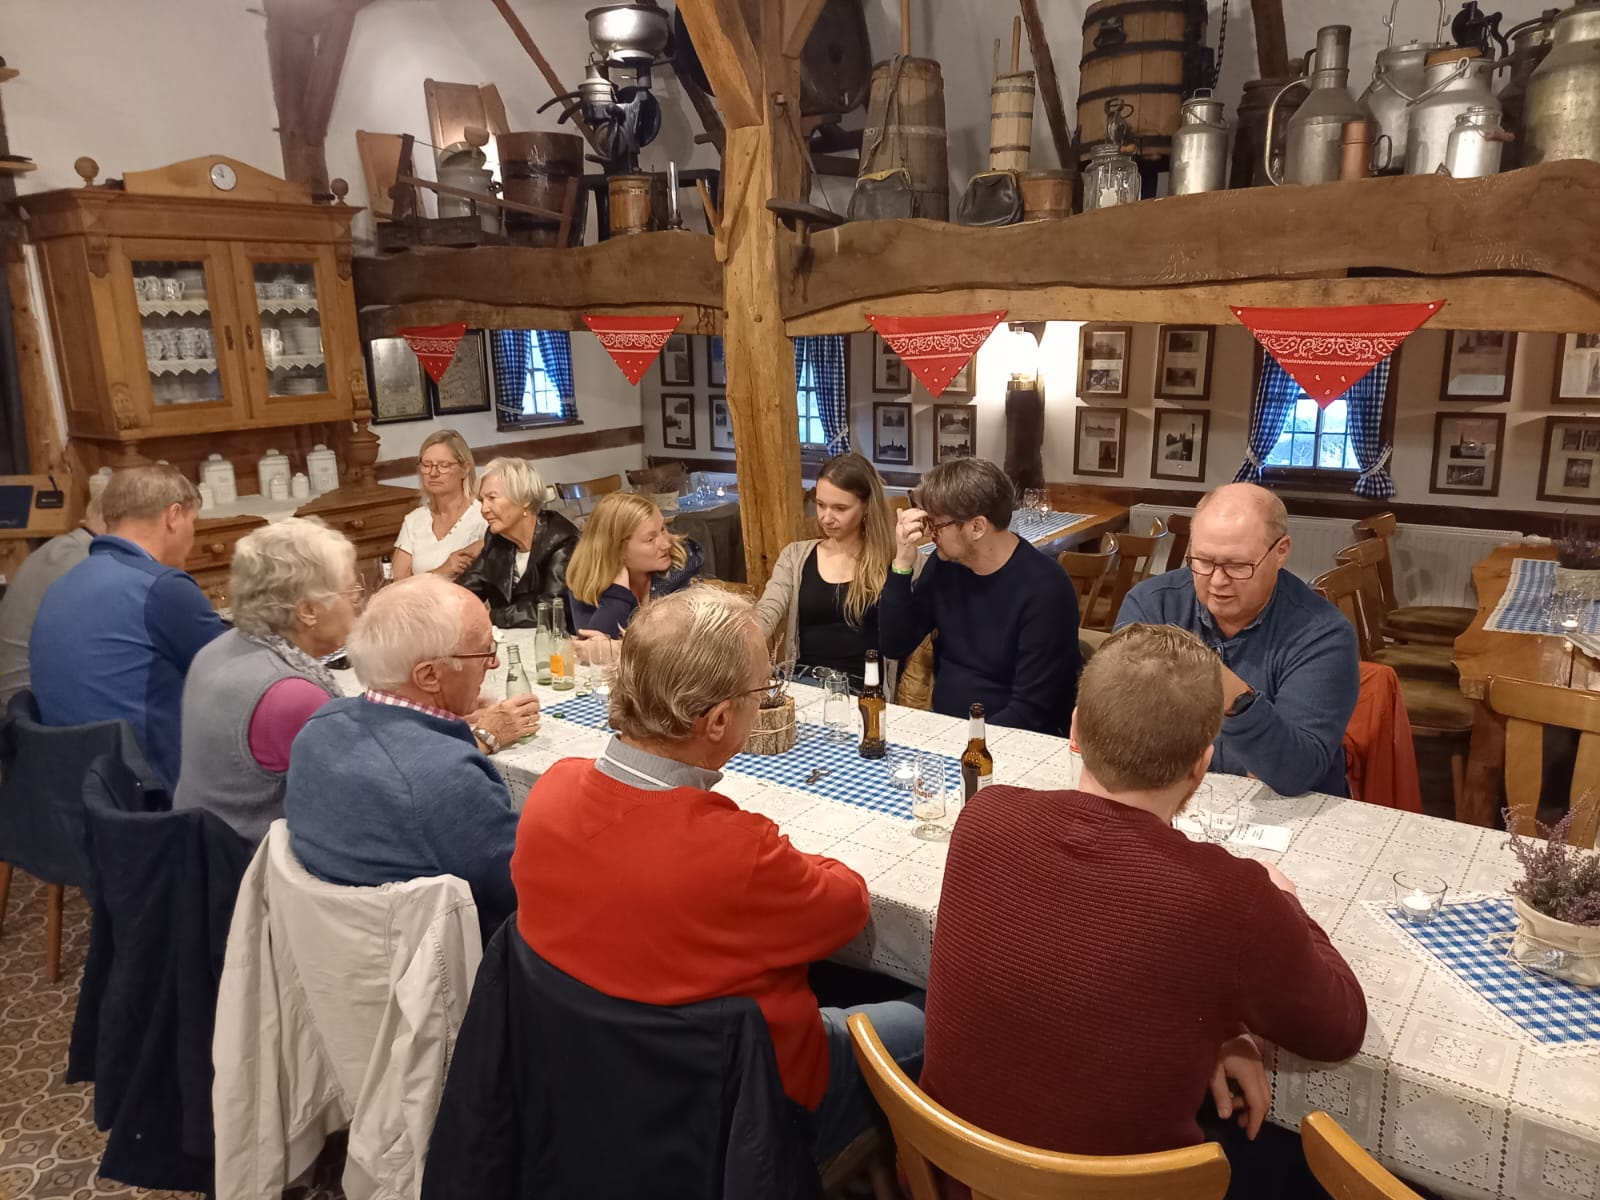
<point x="635" y="877"/>
<point x="1094" y="972"/>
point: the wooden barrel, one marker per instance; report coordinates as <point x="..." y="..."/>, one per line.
<point x="1150" y="53"/>
<point x="905" y="128"/>
<point x="538" y="168"/>
<point x="1046" y="195"/>
<point x="1011" y="122"/>
<point x="630" y="204"/>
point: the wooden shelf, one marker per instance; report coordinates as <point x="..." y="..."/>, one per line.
<point x="8" y="73"/>
<point x="17" y="168"/>
<point x="1513" y="251"/>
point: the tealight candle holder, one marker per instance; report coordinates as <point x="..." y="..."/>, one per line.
<point x="1418" y="898"/>
<point x="902" y="771"/>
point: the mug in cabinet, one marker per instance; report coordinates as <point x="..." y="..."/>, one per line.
<point x="154" y="347"/>
<point x="172" y="289"/>
<point x="272" y="342"/>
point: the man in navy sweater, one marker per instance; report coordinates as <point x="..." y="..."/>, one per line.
<point x="1290" y="667"/>
<point x="1006" y="615"/>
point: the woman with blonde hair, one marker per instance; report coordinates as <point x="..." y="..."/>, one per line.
<point x="524" y="558"/>
<point x="445" y="533"/>
<point x="825" y="590"/>
<point x="625" y="557"/>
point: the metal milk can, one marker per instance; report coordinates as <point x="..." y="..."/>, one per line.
<point x="1200" y="146"/>
<point x="1316" y="131"/>
<point x="1530" y="43"/>
<point x="1397" y="80"/>
<point x="1457" y="79"/>
<point x="1562" y="115"/>
<point x="1476" y="144"/>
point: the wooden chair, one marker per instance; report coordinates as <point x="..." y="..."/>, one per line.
<point x="1528" y="708"/>
<point x="1424" y="624"/>
<point x="914" y="685"/>
<point x="584" y="494"/>
<point x="932" y="1139"/>
<point x="1136" y="555"/>
<point x="1178" y="525"/>
<point x="1090" y="640"/>
<point x="1090" y="571"/>
<point x="1427" y="660"/>
<point x="1436" y="708"/>
<point x="659" y="479"/>
<point x="1343" y="1167"/>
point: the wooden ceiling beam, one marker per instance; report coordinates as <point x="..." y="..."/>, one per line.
<point x="725" y="40"/>
<point x="799" y="19"/>
<point x="306" y="48"/>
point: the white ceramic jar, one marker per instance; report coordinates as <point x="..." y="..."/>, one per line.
<point x="273" y="465"/>
<point x="323" y="467"/>
<point x="218" y="473"/>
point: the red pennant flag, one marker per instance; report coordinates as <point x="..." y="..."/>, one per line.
<point x="1328" y="351"/>
<point x="936" y="348"/>
<point x="435" y="345"/>
<point x="633" y="342"/>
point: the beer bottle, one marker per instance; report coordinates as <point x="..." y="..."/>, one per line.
<point x="517" y="683"/>
<point x="385" y="571"/>
<point x="872" y="706"/>
<point x="542" y="642"/>
<point x="977" y="764"/>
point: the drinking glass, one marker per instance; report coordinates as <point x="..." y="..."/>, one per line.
<point x="602" y="665"/>
<point x="1566" y="610"/>
<point x="837" y="707"/>
<point x="927" y="798"/>
<point x="1218" y="815"/>
<point x="1418" y="897"/>
<point x="1030" y="500"/>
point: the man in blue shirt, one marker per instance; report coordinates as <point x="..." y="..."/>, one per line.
<point x="115" y="635"/>
<point x="1290" y="666"/>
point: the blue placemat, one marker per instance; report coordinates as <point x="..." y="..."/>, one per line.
<point x="1035" y="527"/>
<point x="1465" y="938"/>
<point x="848" y="778"/>
<point x="1522" y="608"/>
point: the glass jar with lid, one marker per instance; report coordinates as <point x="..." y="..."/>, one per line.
<point x="1110" y="179"/>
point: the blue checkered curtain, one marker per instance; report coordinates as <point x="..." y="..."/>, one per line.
<point x="1364" y="406"/>
<point x="555" y="349"/>
<point x="509" y="349"/>
<point x="1276" y="397"/>
<point x="826" y="357"/>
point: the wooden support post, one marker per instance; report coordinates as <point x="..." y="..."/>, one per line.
<point x="1272" y="43"/>
<point x="1044" y="70"/>
<point x="44" y="438"/>
<point x="306" y="49"/>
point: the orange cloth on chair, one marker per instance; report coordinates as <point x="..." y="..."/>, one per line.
<point x="1380" y="758"/>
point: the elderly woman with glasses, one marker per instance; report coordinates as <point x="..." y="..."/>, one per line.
<point x="525" y="555"/>
<point x="444" y="534"/>
<point x="295" y="596"/>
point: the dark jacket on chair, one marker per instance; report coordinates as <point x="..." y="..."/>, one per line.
<point x="559" y="1090"/>
<point x="514" y="603"/>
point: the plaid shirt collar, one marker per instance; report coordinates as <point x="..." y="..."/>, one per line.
<point x="377" y="696"/>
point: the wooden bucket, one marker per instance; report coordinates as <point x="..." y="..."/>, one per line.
<point x="1147" y="52"/>
<point x="1011" y="122"/>
<point x="537" y="168"/>
<point x="905" y="128"/>
<point x="774" y="731"/>
<point x="1046" y="195"/>
<point x="630" y="204"/>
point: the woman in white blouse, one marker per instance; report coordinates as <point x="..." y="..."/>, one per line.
<point x="445" y="534"/>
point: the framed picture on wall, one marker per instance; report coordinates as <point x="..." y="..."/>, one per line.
<point x="891" y="433"/>
<point x="399" y="385"/>
<point x="889" y="374"/>
<point x="721" y="423"/>
<point x="1570" y="468"/>
<point x="677" y="361"/>
<point x="716" y="362"/>
<point x="1477" y="365"/>
<point x="1103" y="361"/>
<point x="955" y="432"/>
<point x="961" y="383"/>
<point x="1178" y="449"/>
<point x="1466" y="453"/>
<point x="1578" y="369"/>
<point x="1102" y="436"/>
<point x="1183" y="368"/>
<point x="677" y="421"/>
<point x="464" y="387"/>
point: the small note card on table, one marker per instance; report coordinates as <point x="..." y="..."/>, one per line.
<point x="1268" y="837"/>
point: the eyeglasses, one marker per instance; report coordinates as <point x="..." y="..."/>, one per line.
<point x="1233" y="570"/>
<point x="933" y="529"/>
<point x="492" y="655"/>
<point x="436" y="468"/>
<point x="356" y="593"/>
<point x="758" y="691"/>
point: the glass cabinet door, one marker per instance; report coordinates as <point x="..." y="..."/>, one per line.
<point x="180" y="302"/>
<point x="286" y="351"/>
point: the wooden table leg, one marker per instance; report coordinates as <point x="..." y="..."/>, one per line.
<point x="1483" y="794"/>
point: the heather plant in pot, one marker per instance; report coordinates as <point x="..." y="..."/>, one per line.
<point x="1557" y="902"/>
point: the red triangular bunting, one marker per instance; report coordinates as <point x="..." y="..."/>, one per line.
<point x="1328" y="351"/>
<point x="633" y="342"/>
<point x="435" y="345"/>
<point x="936" y="348"/>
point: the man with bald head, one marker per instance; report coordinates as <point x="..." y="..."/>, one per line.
<point x="1290" y="667"/>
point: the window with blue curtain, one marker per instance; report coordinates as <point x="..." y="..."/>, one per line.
<point x="1292" y="439"/>
<point x="533" y="378"/>
<point x="822" y="392"/>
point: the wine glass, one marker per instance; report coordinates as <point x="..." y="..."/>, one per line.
<point x="927" y="798"/>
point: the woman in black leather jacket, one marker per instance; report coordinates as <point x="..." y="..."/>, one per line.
<point x="524" y="558"/>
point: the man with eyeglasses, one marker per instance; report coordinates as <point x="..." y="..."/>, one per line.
<point x="1290" y="667"/>
<point x="390" y="785"/>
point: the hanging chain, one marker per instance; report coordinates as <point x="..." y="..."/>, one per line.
<point x="1222" y="45"/>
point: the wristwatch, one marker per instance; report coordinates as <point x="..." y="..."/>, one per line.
<point x="487" y="738"/>
<point x="1241" y="702"/>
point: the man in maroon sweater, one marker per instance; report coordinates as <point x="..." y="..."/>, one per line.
<point x="1094" y="972"/>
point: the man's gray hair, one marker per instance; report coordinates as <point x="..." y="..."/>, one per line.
<point x="519" y="480"/>
<point x="279" y="565"/>
<point x="406" y="623"/>
<point x="140" y="493"/>
<point x="681" y="656"/>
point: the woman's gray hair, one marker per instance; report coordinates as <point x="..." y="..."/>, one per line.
<point x="406" y="623"/>
<point x="279" y="565"/>
<point x="519" y="479"/>
<point x="681" y="656"/>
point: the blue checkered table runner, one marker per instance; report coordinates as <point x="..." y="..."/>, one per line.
<point x="1035" y="527"/>
<point x="1468" y="939"/>
<point x="848" y="778"/>
<point x="1522" y="608"/>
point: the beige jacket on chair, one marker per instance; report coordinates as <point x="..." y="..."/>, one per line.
<point x="339" y="1006"/>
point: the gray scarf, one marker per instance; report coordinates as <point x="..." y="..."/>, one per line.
<point x="297" y="658"/>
